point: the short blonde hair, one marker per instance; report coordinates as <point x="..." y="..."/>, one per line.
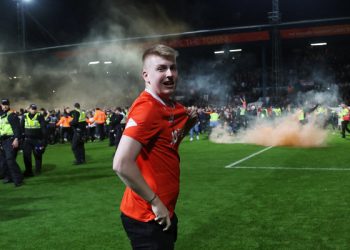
<point x="160" y="50"/>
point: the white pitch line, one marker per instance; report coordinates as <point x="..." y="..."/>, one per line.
<point x="248" y="157"/>
<point x="287" y="168"/>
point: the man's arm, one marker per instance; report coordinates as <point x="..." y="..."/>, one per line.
<point x="43" y="129"/>
<point x="75" y="120"/>
<point x="16" y="128"/>
<point x="124" y="164"/>
<point x="22" y="125"/>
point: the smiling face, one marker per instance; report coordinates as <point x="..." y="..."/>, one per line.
<point x="160" y="75"/>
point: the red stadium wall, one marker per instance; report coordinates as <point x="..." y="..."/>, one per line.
<point x="330" y="30"/>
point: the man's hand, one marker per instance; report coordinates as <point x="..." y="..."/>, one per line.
<point x="15" y="143"/>
<point x="162" y="213"/>
<point x="125" y="166"/>
<point x="192" y="114"/>
<point x="193" y="118"/>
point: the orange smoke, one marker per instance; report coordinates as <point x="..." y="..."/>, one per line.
<point x="286" y="131"/>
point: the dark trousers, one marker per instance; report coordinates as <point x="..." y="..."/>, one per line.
<point x="118" y="132"/>
<point x="2" y="166"/>
<point x="78" y="146"/>
<point x="91" y="133"/>
<point x="65" y="133"/>
<point x="52" y="134"/>
<point x="344" y="127"/>
<point x="111" y="138"/>
<point x="107" y="128"/>
<point x="150" y="235"/>
<point x="100" y="131"/>
<point x="8" y="155"/>
<point x="31" y="146"/>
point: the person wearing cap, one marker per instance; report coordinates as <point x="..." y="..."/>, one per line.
<point x="35" y="140"/>
<point x="79" y="132"/>
<point x="10" y="133"/>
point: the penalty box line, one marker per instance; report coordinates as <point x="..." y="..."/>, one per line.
<point x="234" y="165"/>
<point x="248" y="157"/>
<point x="288" y="168"/>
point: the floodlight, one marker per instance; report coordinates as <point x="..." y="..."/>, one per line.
<point x="235" y="50"/>
<point x="318" y="44"/>
<point x="219" y="52"/>
<point x="94" y="62"/>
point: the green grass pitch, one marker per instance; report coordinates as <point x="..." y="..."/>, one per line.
<point x="77" y="207"/>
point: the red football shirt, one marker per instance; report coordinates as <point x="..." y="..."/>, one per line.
<point x="159" y="128"/>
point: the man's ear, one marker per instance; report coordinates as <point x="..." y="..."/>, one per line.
<point x="145" y="75"/>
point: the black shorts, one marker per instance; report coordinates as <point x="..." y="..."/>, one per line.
<point x="150" y="235"/>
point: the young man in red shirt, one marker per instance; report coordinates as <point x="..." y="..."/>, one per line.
<point x="147" y="159"/>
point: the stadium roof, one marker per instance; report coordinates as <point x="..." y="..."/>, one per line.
<point x="58" y="22"/>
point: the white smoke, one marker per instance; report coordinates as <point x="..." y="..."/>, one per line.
<point x="53" y="82"/>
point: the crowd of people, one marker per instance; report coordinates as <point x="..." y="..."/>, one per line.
<point x="32" y="129"/>
<point x="239" y="117"/>
<point x="100" y="124"/>
<point x="38" y="127"/>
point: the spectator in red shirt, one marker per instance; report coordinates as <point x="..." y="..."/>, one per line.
<point x="147" y="159"/>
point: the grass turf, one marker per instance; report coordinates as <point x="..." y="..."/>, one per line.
<point x="77" y="207"/>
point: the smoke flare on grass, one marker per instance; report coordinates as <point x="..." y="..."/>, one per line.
<point x="286" y="131"/>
